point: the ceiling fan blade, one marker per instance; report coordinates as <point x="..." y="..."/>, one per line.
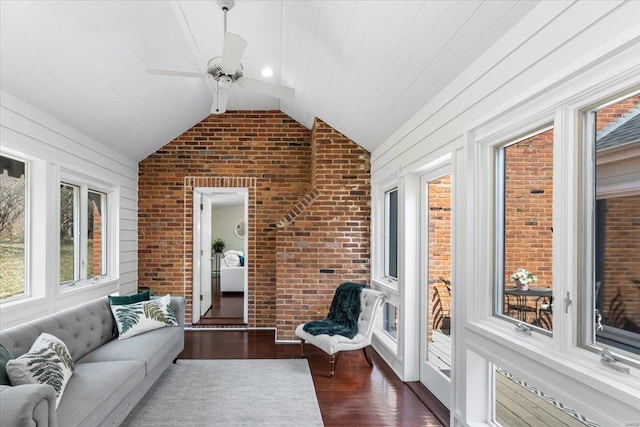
<point x="232" y="52"/>
<point x="177" y="73"/>
<point x="265" y="88"/>
<point x="220" y="101"/>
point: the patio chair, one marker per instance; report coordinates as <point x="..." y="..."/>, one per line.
<point x="370" y="303"/>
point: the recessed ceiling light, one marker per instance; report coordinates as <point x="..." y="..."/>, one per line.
<point x="267" y="72"/>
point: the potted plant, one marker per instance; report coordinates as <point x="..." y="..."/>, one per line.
<point x="218" y="245"/>
<point x="523" y="277"/>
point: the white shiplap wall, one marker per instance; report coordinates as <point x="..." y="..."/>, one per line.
<point x="555" y="44"/>
<point x="54" y="145"/>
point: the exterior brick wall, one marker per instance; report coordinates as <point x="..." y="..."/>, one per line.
<point x="439" y="262"/>
<point x="327" y="242"/>
<point x="528" y="237"/>
<point x="614" y="112"/>
<point x="271" y="155"/>
<point x="620" y="295"/>
<point x="96" y="238"/>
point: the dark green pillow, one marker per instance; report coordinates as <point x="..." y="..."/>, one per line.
<point x="129" y="299"/>
<point x="5" y="356"/>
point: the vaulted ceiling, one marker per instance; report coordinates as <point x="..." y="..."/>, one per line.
<point x="365" y="67"/>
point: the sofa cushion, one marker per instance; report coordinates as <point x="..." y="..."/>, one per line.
<point x="150" y="348"/>
<point x="47" y="362"/>
<point x="144" y="316"/>
<point x="5" y="356"/>
<point x="96" y="389"/>
<point x="82" y="328"/>
<point x="130" y="299"/>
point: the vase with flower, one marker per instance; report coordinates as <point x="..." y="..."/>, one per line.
<point x="523" y="278"/>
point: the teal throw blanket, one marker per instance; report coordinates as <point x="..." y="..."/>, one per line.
<point x="343" y="313"/>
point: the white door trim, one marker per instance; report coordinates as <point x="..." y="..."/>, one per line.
<point x="198" y="193"/>
<point x="432" y="377"/>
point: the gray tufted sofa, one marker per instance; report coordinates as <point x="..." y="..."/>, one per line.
<point x="110" y="375"/>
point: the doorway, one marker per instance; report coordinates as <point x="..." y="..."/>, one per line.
<point x="220" y="258"/>
<point x="435" y="283"/>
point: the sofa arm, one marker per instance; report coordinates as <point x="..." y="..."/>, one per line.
<point x="28" y="405"/>
<point x="179" y="305"/>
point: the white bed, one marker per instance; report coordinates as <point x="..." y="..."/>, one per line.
<point x="232" y="279"/>
<point x="232" y="272"/>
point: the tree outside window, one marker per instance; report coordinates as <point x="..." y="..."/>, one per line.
<point x="13" y="191"/>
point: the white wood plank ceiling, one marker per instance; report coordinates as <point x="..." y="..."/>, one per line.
<point x="365" y="67"/>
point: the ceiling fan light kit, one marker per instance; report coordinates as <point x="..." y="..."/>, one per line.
<point x="227" y="70"/>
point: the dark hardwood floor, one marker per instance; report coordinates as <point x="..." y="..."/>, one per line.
<point x="356" y="396"/>
<point x="226" y="308"/>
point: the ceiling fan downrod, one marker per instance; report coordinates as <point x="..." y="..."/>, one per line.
<point x="225" y="5"/>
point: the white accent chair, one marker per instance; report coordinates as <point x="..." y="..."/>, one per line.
<point x="370" y="303"/>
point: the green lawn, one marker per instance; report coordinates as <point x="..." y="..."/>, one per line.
<point x="11" y="269"/>
<point x="12" y="266"/>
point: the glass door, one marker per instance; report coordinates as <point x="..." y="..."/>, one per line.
<point x="436" y="285"/>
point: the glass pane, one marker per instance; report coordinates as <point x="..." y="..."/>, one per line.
<point x="12" y="228"/>
<point x="391" y="320"/>
<point x="617" y="225"/>
<point x="68" y="224"/>
<point x="439" y="274"/>
<point x="392" y="234"/>
<point x="520" y="404"/>
<point x="95" y="234"/>
<point x="527" y="170"/>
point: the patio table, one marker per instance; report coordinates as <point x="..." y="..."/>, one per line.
<point x="521" y="306"/>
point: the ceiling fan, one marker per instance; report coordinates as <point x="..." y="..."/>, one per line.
<point x="227" y="70"/>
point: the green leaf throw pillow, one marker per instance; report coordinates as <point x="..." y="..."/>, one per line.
<point x="5" y="356"/>
<point x="129" y="299"/>
<point x="47" y="362"/>
<point x="144" y="316"/>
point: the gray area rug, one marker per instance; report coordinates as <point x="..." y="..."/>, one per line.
<point x="230" y="393"/>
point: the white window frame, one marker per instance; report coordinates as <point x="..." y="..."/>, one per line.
<point x="387" y="234"/>
<point x="555" y="364"/>
<point x="28" y="292"/>
<point x="379" y="269"/>
<point x="586" y="327"/>
<point x="84" y="184"/>
<point x="379" y="280"/>
<point x="39" y="184"/>
<point x="499" y="221"/>
<point x="396" y="320"/>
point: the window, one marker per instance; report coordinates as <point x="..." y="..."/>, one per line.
<point x="83" y="253"/>
<point x="13" y="230"/>
<point x="611" y="296"/>
<point x="391" y="233"/>
<point x="524" y="225"/>
<point x="390" y="321"/>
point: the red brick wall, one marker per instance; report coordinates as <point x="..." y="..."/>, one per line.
<point x="529" y="208"/>
<point x="96" y="256"/>
<point x="266" y="151"/>
<point x="622" y="260"/>
<point x="269" y="153"/>
<point x="439" y="262"/>
<point x="528" y="239"/>
<point x="620" y="296"/>
<point x="327" y="242"/>
<point x="615" y="111"/>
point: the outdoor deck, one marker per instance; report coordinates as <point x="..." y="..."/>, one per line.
<point x="517" y="403"/>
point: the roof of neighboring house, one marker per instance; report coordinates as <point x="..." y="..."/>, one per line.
<point x="623" y="131"/>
